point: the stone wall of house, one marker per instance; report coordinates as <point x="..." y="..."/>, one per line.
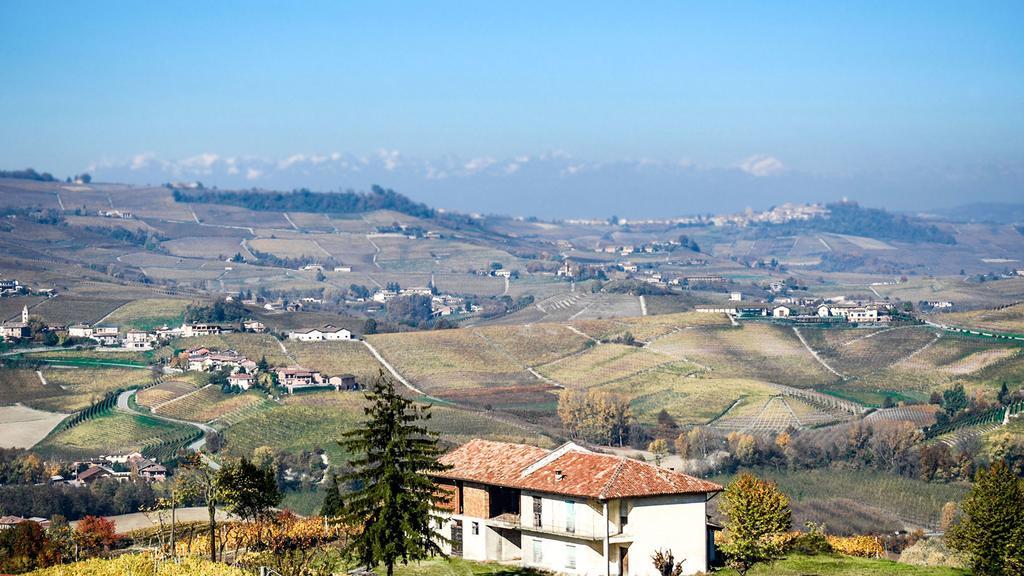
<point x="452" y="491"/>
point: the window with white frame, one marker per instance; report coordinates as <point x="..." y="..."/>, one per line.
<point x="476" y="528"/>
<point x="570" y="557"/>
<point x="538" y="551"/>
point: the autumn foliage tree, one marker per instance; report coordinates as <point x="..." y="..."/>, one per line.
<point x="758" y="513"/>
<point x="95" y="534"/>
<point x="595" y="416"/>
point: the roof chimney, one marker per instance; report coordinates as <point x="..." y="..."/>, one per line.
<point x="559" y="475"/>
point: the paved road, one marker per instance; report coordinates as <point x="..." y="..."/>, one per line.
<point x="124" y="406"/>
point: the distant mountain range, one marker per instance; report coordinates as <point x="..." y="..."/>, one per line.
<point x="989" y="212"/>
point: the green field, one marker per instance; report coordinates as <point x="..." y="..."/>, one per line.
<point x="318" y="420"/>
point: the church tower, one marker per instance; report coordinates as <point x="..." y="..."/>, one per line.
<point x="24" y="315"/>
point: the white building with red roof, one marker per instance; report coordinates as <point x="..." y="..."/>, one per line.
<point x="573" y="511"/>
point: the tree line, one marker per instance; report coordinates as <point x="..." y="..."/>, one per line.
<point x="304" y="200"/>
<point x="850" y="218"/>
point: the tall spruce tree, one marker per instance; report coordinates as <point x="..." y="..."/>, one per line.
<point x="334" y="504"/>
<point x="989" y="534"/>
<point x="395" y="499"/>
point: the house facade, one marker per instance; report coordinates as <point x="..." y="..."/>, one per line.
<point x="321" y="334"/>
<point x="572" y="511"/>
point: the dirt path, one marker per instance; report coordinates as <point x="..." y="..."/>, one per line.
<point x="387" y="366"/>
<point x="815" y="354"/>
<point x="643" y="306"/>
<point x="173" y="400"/>
<point x="582" y="333"/>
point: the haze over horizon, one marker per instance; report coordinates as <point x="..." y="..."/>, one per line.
<point x="553" y="111"/>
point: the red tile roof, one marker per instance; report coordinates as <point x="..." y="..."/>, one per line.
<point x="572" y="471"/>
<point x="498" y="463"/>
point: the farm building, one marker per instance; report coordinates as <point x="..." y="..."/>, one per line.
<point x="241" y="380"/>
<point x="320" y="334"/>
<point x="201" y="329"/>
<point x="344" y="382"/>
<point x="254" y="326"/>
<point x="781" y="311"/>
<point x="298" y="377"/>
<point x="572" y="511"/>
<point x="139" y="340"/>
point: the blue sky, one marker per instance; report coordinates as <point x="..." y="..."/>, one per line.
<point x="731" y="103"/>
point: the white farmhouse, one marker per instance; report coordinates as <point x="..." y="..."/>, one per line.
<point x="781" y="311"/>
<point x="321" y="334"/>
<point x="572" y="511"/>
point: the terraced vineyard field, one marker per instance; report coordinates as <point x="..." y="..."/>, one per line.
<point x="960" y="355"/>
<point x="753" y="350"/>
<point x="690" y="400"/>
<point x="915" y="502"/>
<point x="66" y="390"/>
<point x="1009" y="319"/>
<point x="773" y="415"/>
<point x="535" y="344"/>
<point x="448" y="360"/>
<point x="112" y="433"/>
<point x="209" y="404"/>
<point x="876" y="350"/>
<point x="601" y="364"/>
<point x="920" y="415"/>
<point x="149" y="313"/>
<point x="70" y="309"/>
<point x="163" y="392"/>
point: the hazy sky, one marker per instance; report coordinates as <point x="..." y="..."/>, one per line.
<point x="715" y="106"/>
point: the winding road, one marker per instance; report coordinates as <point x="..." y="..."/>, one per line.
<point x="124" y="405"/>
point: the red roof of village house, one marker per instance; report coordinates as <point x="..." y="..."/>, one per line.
<point x="572" y="470"/>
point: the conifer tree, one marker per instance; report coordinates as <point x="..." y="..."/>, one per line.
<point x="989" y="532"/>
<point x="334" y="504"/>
<point x="395" y="501"/>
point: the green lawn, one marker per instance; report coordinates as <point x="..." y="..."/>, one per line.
<point x="795" y="565"/>
<point x="790" y="566"/>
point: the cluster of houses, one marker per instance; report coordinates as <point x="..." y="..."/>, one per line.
<point x="810" y="311"/>
<point x="440" y="304"/>
<point x="127" y="468"/>
<point x="110" y="336"/>
<point x="244" y="372"/>
<point x="12" y="288"/>
<point x="8" y="522"/>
